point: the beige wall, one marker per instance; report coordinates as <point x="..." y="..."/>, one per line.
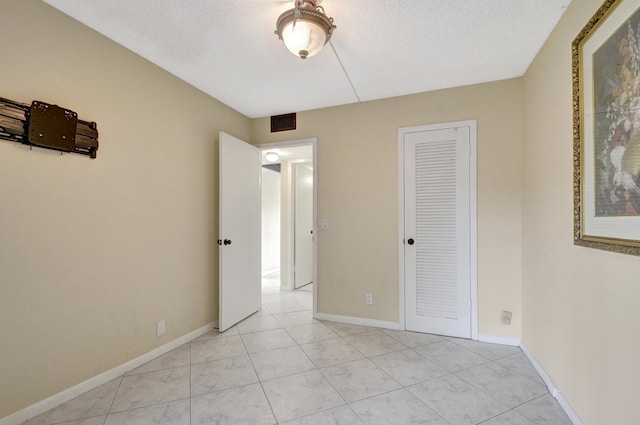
<point x="358" y="193"/>
<point x="581" y="316"/>
<point x="94" y="252"/>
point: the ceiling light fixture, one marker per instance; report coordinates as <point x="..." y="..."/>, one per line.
<point x="271" y="156"/>
<point x="305" y="29"/>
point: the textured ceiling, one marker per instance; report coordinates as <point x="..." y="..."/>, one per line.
<point x="381" y="48"/>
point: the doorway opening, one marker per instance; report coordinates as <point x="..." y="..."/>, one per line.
<point x="289" y="217"/>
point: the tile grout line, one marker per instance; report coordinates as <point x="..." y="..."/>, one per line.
<point x="488" y="361"/>
<point x="328" y="382"/>
<point x="499" y="401"/>
<point x="356" y="413"/>
<point x="518" y="372"/>
<point x="402" y="386"/>
<point x="115" y="394"/>
<point x="259" y="381"/>
<point x="321" y="374"/>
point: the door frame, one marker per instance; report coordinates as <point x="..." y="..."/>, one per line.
<point x="289" y="252"/>
<point x="473" y="213"/>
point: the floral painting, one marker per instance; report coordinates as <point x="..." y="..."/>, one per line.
<point x="616" y="96"/>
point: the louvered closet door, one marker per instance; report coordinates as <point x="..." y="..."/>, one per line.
<point x="437" y="232"/>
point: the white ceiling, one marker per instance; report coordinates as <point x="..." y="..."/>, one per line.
<point x="381" y="48"/>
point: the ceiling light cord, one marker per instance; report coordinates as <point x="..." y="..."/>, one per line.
<point x="345" y="72"/>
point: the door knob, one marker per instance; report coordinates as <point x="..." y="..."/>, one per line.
<point x="227" y="242"/>
<point x="410" y="241"/>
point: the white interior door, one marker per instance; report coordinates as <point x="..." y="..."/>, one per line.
<point x="437" y="231"/>
<point x="240" y="236"/>
<point x="303" y="224"/>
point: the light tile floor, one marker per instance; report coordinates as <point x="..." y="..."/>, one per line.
<point x="283" y="367"/>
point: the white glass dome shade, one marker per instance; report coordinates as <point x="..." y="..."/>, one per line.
<point x="305" y="29"/>
<point x="303" y="38"/>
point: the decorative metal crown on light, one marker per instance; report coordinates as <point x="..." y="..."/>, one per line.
<point x="305" y="29"/>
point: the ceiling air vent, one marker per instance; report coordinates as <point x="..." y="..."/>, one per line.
<point x="283" y="122"/>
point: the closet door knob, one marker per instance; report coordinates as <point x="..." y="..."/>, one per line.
<point x="227" y="242"/>
<point x="411" y="241"/>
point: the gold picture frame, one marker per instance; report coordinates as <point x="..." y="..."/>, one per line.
<point x="606" y="129"/>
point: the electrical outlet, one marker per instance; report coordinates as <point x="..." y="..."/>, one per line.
<point x="506" y="317"/>
<point x="369" y="299"/>
<point x="161" y="328"/>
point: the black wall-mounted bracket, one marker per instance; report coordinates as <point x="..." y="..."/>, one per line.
<point x="47" y="126"/>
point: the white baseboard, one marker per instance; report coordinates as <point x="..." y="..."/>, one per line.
<point x="91" y="383"/>
<point x="553" y="389"/>
<point x="358" y="321"/>
<point x="499" y="340"/>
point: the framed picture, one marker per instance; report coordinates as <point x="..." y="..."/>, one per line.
<point x="606" y="129"/>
